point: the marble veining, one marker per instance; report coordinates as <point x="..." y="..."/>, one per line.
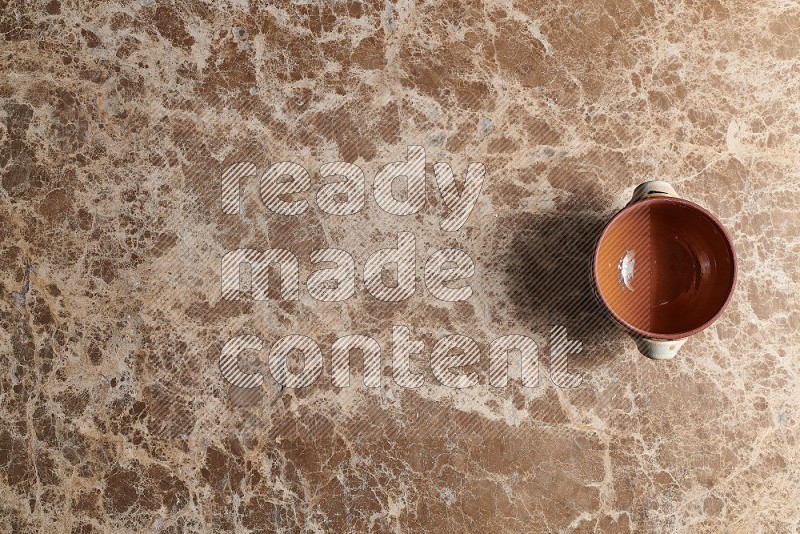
<point x="117" y="120"/>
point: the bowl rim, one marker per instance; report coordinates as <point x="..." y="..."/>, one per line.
<point x="666" y="200"/>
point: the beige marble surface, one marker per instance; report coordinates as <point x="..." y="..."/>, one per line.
<point x="117" y="121"/>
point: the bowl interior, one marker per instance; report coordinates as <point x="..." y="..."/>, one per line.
<point x="665" y="267"/>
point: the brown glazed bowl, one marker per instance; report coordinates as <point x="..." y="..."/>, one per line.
<point x="664" y="267"/>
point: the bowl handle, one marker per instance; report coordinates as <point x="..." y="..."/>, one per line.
<point x="651" y="189"/>
<point x="658" y="349"/>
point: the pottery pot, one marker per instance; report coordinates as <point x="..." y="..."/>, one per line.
<point x="664" y="267"/>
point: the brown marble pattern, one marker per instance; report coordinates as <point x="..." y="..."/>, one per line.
<point x="116" y="120"/>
